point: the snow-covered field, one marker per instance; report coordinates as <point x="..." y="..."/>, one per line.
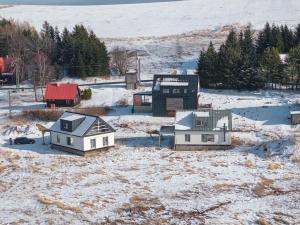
<point x="137" y="183"/>
<point x="160" y="19"/>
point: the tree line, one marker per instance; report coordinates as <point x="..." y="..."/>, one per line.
<point x="48" y="54"/>
<point x="248" y="62"/>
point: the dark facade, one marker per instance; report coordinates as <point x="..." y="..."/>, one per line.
<point x="62" y="102"/>
<point x="70" y="125"/>
<point x="174" y="92"/>
<point x="7" y="78"/>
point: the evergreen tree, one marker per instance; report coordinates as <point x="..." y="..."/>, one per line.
<point x="265" y="40"/>
<point x="271" y="66"/>
<point x="228" y="66"/>
<point x="207" y="66"/>
<point x="297" y="35"/>
<point x="232" y="40"/>
<point x="277" y="38"/>
<point x="248" y="55"/>
<point x="294" y="64"/>
<point x="248" y="77"/>
<point x="288" y="38"/>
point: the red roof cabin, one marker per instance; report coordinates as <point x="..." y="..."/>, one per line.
<point x="62" y="95"/>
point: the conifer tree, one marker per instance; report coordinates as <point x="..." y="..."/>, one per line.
<point x="207" y="66"/>
<point x="271" y="66"/>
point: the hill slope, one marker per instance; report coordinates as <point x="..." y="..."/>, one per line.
<point x="159" y="19"/>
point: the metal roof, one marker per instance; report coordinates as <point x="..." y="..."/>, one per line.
<point x="213" y="120"/>
<point x="85" y="127"/>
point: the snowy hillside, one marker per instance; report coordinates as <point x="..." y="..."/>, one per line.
<point x="159" y="19"/>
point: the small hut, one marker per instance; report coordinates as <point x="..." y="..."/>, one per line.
<point x="131" y="78"/>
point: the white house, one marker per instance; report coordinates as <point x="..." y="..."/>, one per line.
<point x="81" y="134"/>
<point x="204" y="129"/>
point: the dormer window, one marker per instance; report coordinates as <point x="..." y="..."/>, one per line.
<point x="65" y="126"/>
<point x="201" y="123"/>
<point x="70" y="123"/>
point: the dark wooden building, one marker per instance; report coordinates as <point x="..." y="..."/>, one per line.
<point x="62" y="95"/>
<point x="174" y="92"/>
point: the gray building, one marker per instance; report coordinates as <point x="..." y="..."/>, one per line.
<point x="203" y="129"/>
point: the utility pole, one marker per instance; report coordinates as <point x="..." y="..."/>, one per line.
<point x="9" y="103"/>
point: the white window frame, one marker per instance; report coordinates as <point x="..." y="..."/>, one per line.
<point x="205" y="138"/>
<point x="93" y="143"/>
<point x="71" y="143"/>
<point x="187" y="137"/>
<point x="57" y="138"/>
<point x="105" y="141"/>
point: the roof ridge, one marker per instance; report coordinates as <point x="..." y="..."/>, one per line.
<point x="84" y="114"/>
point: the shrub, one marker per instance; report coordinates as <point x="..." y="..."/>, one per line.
<point x="55" y="114"/>
<point x="122" y="102"/>
<point x="43" y="114"/>
<point x="86" y="94"/>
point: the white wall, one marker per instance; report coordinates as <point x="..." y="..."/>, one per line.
<point x="99" y="141"/>
<point x="83" y="143"/>
<point x="197" y="135"/>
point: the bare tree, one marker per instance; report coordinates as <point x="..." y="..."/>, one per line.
<point x="17" y="49"/>
<point x="120" y="58"/>
<point x="178" y="50"/>
<point x="41" y="69"/>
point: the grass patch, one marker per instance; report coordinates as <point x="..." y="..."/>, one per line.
<point x="262" y="187"/>
<point x="263" y="221"/>
<point x="55" y="114"/>
<point x="42" y="114"/>
<point x="46" y="200"/>
<point x="274" y="166"/>
<point x="249" y="163"/>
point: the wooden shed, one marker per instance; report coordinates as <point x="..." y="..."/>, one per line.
<point x="131" y="80"/>
<point x="295" y="117"/>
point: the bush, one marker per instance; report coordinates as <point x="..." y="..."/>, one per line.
<point x="55" y="114"/>
<point x="86" y="94"/>
<point x="43" y="114"/>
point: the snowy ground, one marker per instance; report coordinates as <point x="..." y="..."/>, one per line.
<point x="159" y="19"/>
<point x="137" y="183"/>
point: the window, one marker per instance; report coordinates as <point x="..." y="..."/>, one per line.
<point x="166" y="91"/>
<point x="187" y="137"/>
<point x="93" y="143"/>
<point x="185" y="91"/>
<point x="201" y="123"/>
<point x="57" y="138"/>
<point x="176" y="91"/>
<point x="208" y="138"/>
<point x="65" y="126"/>
<point x="70" y="141"/>
<point x="105" y="141"/>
